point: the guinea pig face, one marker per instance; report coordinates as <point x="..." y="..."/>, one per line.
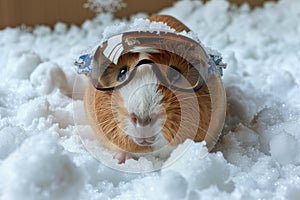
<point x="148" y="111"/>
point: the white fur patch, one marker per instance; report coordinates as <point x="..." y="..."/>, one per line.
<point x="140" y="96"/>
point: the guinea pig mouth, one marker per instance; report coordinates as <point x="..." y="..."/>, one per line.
<point x="145" y="141"/>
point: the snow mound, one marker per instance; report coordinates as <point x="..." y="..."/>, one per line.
<point x="20" y="64"/>
<point x="197" y="164"/>
<point x="285" y="144"/>
<point x="48" y="76"/>
<point x="40" y="169"/>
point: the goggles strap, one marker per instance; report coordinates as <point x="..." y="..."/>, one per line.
<point x="216" y="64"/>
<point x="83" y="64"/>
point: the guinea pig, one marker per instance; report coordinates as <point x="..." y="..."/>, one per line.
<point x="144" y="102"/>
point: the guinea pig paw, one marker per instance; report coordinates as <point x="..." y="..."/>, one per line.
<point x="122" y="157"/>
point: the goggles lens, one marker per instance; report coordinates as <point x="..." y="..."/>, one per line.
<point x="179" y="62"/>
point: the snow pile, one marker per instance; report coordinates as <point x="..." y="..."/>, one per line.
<point x="42" y="157"/>
<point x="48" y="76"/>
<point x="22" y="64"/>
<point x="40" y="169"/>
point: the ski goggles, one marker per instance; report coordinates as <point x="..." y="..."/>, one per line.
<point x="179" y="62"/>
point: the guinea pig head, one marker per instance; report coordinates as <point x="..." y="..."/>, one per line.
<point x="145" y="111"/>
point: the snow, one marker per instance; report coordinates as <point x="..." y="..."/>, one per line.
<point x="26" y="62"/>
<point x="46" y="77"/>
<point x="104" y="6"/>
<point x="47" y="173"/>
<point x="142" y="25"/>
<point x="257" y="157"/>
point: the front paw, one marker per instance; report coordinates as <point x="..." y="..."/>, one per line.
<point x="122" y="157"/>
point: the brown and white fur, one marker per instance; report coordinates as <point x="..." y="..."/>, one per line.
<point x="143" y="108"/>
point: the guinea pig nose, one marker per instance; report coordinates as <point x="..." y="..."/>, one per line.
<point x="140" y="122"/>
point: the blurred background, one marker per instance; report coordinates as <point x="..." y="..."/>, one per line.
<point x="48" y="12"/>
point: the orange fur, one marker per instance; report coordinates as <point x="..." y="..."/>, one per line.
<point x="170" y="21"/>
<point x="183" y="108"/>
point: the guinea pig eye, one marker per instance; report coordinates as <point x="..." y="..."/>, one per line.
<point x="173" y="74"/>
<point x="122" y="73"/>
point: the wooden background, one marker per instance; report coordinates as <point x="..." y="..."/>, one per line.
<point x="48" y="12"/>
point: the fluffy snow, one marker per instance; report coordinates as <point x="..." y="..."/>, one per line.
<point x="104" y="6"/>
<point x="257" y="157"/>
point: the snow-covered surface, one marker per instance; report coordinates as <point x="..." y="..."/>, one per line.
<point x="143" y="24"/>
<point x="258" y="156"/>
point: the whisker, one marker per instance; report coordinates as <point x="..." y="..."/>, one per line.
<point x="108" y="131"/>
<point x="196" y="96"/>
<point x="103" y="109"/>
<point x="180" y="98"/>
<point x="107" y="121"/>
<point x="199" y="127"/>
